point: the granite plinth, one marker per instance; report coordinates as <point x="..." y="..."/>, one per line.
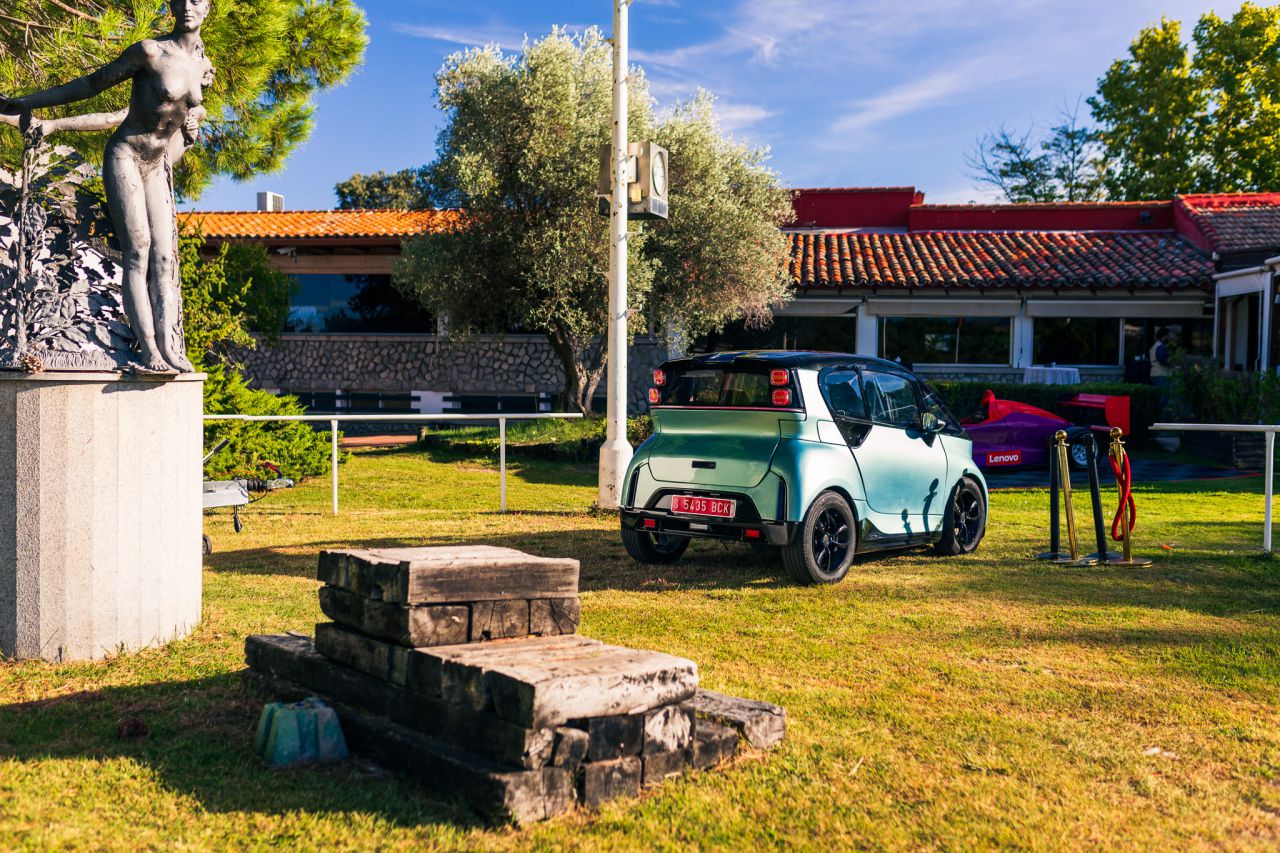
<point x="100" y="481"/>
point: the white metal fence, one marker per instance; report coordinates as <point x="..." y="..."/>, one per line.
<point x="335" y="420"/>
<point x="1270" y="486"/>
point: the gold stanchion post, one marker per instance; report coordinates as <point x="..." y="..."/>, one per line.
<point x="1120" y="456"/>
<point x="1069" y="514"/>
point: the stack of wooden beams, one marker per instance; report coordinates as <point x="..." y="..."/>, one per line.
<point x="462" y="666"/>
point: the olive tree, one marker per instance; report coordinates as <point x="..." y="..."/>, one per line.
<point x="519" y="156"/>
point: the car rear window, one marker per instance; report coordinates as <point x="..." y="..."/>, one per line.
<point x="726" y="389"/>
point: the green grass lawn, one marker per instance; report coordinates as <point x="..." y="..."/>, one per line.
<point x="932" y="703"/>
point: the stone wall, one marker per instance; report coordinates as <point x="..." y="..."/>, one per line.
<point x="482" y="365"/>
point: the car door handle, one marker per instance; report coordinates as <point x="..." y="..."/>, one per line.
<point x="702" y="463"/>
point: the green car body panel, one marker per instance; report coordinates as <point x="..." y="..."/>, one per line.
<point x="896" y="480"/>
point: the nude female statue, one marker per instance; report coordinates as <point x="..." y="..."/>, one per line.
<point x="169" y="75"/>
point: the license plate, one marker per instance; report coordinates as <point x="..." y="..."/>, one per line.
<point x="689" y="505"/>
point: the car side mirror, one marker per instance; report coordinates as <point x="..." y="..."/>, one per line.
<point x="931" y="423"/>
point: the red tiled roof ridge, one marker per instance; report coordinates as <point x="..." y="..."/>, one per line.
<point x="1044" y="205"/>
<point x="852" y="189"/>
<point x="318" y="211"/>
<point x="1215" y="201"/>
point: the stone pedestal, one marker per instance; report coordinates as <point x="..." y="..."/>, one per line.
<point x="100" y="513"/>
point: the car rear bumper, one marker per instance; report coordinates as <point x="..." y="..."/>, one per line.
<point x="725" y="529"/>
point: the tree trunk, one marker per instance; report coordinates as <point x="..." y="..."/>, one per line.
<point x="581" y="378"/>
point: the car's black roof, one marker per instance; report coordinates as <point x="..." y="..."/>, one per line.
<point x="783" y="358"/>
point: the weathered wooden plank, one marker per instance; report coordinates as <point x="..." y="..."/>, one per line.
<point x="426" y="666"/>
<point x="342" y="606"/>
<point x="478" y="731"/>
<point x="549" y="617"/>
<point x="658" y="767"/>
<point x="593" y="682"/>
<point x="713" y="744"/>
<point x="762" y="724"/>
<point x="426" y="625"/>
<point x="609" y="738"/>
<point x="499" y="620"/>
<point x="292" y="658"/>
<point x="378" y="658"/>
<point x="570" y="748"/>
<point x="448" y="575"/>
<point x="669" y="729"/>
<point x="602" y="781"/>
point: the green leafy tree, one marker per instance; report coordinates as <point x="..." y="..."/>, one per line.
<point x="407" y="189"/>
<point x="1200" y="117"/>
<point x="1063" y="164"/>
<point x="722" y="256"/>
<point x="271" y="56"/>
<point x="519" y="154"/>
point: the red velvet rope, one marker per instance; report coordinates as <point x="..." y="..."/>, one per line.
<point x="1124" y="482"/>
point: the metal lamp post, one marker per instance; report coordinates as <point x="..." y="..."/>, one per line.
<point x="616" y="453"/>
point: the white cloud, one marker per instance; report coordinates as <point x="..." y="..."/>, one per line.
<point x="932" y="90"/>
<point x="465" y="36"/>
<point x="735" y="117"/>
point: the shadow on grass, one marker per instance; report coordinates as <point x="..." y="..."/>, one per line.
<point x="200" y="744"/>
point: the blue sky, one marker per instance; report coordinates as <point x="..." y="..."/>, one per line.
<point x="844" y="92"/>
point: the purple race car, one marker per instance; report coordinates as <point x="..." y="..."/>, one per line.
<point x="1007" y="434"/>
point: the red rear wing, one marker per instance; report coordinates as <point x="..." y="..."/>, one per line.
<point x="1115" y="408"/>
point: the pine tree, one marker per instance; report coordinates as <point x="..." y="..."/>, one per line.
<point x="271" y="56"/>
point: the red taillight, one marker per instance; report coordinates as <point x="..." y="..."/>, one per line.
<point x="778" y="377"/>
<point x="752" y="534"/>
<point x="659" y="378"/>
<point x="650" y="524"/>
<point x="655" y="396"/>
<point x="782" y="397"/>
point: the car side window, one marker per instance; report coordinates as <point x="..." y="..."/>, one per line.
<point x="891" y="399"/>
<point x="842" y="386"/>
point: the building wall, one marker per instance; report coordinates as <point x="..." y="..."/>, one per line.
<point x="429" y="365"/>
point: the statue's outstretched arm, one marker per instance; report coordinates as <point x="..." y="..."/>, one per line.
<point x="122" y="68"/>
<point x="87" y="122"/>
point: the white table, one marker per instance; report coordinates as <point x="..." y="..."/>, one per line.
<point x="1270" y="432"/>
<point x="1040" y="375"/>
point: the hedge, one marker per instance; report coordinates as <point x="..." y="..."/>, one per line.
<point x="1145" y="406"/>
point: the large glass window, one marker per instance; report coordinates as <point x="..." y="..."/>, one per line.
<point x="1192" y="336"/>
<point x="354" y="303"/>
<point x="822" y="334"/>
<point x="946" y="340"/>
<point x="1077" y="340"/>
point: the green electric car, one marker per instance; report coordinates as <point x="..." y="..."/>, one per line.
<point x="822" y="456"/>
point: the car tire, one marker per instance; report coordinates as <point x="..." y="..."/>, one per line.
<point x="1078" y="453"/>
<point x="659" y="549"/>
<point x="965" y="521"/>
<point x="825" y="542"/>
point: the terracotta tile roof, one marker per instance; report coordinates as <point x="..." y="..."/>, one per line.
<point x="316" y="224"/>
<point x="1021" y="259"/>
<point x="1245" y="222"/>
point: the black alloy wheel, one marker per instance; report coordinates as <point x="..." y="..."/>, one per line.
<point x="966" y="520"/>
<point x="825" y="545"/>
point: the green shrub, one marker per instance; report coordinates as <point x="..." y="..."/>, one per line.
<point x="1145" y="406"/>
<point x="1203" y="392"/>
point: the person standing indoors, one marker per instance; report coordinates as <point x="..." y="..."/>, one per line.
<point x="1160" y="357"/>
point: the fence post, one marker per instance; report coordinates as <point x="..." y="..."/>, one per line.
<point x="502" y="459"/>
<point x="333" y="437"/>
<point x="1271" y="488"/>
